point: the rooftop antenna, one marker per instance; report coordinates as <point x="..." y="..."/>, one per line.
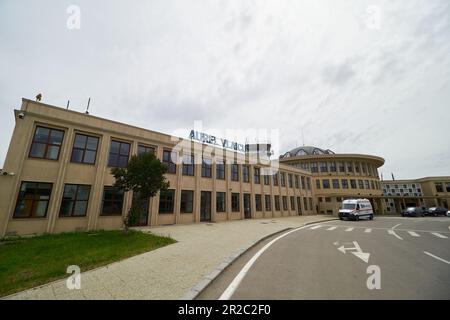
<point x="87" y="109"/>
<point x="393" y="179"/>
<point x="68" y="102"/>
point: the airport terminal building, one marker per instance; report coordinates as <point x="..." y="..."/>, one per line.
<point x="57" y="177"/>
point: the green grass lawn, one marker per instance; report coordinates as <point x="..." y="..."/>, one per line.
<point x="29" y="262"/>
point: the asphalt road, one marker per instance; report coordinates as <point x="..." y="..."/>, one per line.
<point x="333" y="260"/>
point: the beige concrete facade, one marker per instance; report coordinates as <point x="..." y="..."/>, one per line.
<point x="62" y="171"/>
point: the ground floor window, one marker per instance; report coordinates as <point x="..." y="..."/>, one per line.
<point x="220" y="201"/>
<point x="112" y="202"/>
<point x="258" y="203"/>
<point x="267" y="201"/>
<point x="285" y="203"/>
<point x="75" y="200"/>
<point x="277" y="203"/>
<point x="310" y="204"/>
<point x="166" y="201"/>
<point x="187" y="201"/>
<point x="292" y="203"/>
<point x="33" y="200"/>
<point x="305" y="203"/>
<point x="235" y="202"/>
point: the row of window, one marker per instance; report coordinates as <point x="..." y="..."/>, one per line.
<point x="340" y="166"/>
<point x="344" y="184"/>
<point x="439" y="186"/>
<point x="34" y="197"/>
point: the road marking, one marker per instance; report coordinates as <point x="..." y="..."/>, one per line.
<point x="229" y="291"/>
<point x="414" y="234"/>
<point x="315" y="227"/>
<point x="364" y="256"/>
<point x="439" y="235"/>
<point x="349" y="229"/>
<point x="395" y="226"/>
<point x="331" y="228"/>
<point x="390" y="231"/>
<point x="436" y="257"/>
<point x="368" y="230"/>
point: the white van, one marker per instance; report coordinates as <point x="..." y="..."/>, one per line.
<point x="355" y="209"/>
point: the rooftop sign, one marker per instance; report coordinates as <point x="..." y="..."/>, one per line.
<point x="213" y="140"/>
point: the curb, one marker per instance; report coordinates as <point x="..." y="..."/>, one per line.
<point x="207" y="280"/>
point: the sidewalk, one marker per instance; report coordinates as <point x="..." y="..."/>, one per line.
<point x="169" y="272"/>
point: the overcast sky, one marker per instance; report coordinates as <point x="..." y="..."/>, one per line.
<point x="358" y="76"/>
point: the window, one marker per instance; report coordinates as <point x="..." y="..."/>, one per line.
<point x="220" y="202"/>
<point x="112" y="202"/>
<point x="317" y="184"/>
<point x="327" y="199"/>
<point x="305" y="203"/>
<point x="326" y="183"/>
<point x="367" y="184"/>
<point x="266" y="179"/>
<point x="145" y="149"/>
<point x="357" y="167"/>
<point x="292" y="203"/>
<point x="46" y="143"/>
<point x="361" y="184"/>
<point x="235" y="207"/>
<point x="285" y="203"/>
<point x="363" y="168"/>
<point x="75" y="200"/>
<point x="206" y="168"/>
<point x="118" y="154"/>
<point x="310" y="204"/>
<point x="220" y="169"/>
<point x="187" y="201"/>
<point x="235" y="172"/>
<point x="447" y="186"/>
<point x="303" y="182"/>
<point x="299" y="205"/>
<point x="314" y="167"/>
<point x="349" y="167"/>
<point x="296" y="181"/>
<point x="335" y="183"/>
<point x="33" y="200"/>
<point x="166" y="201"/>
<point x="84" y="149"/>
<point x="268" y="204"/>
<point x="323" y="167"/>
<point x="258" y="204"/>
<point x="169" y="159"/>
<point x="341" y="167"/>
<point x="344" y="183"/>
<point x="277" y="203"/>
<point x="353" y="183"/>
<point x="332" y="166"/>
<point x="290" y="180"/>
<point x="308" y="183"/>
<point x="283" y="179"/>
<point x="275" y="179"/>
<point x="188" y="165"/>
<point x="257" y="175"/>
<point x="245" y="173"/>
<point x="439" y="187"/>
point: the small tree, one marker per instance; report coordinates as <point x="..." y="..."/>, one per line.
<point x="144" y="175"/>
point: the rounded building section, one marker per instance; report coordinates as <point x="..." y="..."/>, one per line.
<point x="338" y="176"/>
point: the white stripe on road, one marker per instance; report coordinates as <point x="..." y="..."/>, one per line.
<point x="315" y="227"/>
<point x="390" y="231"/>
<point x="414" y="234"/>
<point x="436" y="257"/>
<point x="368" y="230"/>
<point x="439" y="235"/>
<point x="331" y="228"/>
<point x="229" y="291"/>
<point x="349" y="229"/>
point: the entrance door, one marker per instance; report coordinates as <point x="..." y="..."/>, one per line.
<point x="143" y="206"/>
<point x="205" y="206"/>
<point x="247" y="206"/>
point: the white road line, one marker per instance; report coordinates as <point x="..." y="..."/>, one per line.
<point x="414" y="234"/>
<point x="439" y="235"/>
<point x="331" y="228"/>
<point x="229" y="291"/>
<point x="390" y="231"/>
<point x="349" y="229"/>
<point x="315" y="227"/>
<point x="395" y="226"/>
<point x="436" y="257"/>
<point x="368" y="230"/>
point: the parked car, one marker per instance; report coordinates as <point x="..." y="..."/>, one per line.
<point x="436" y="211"/>
<point x="356" y="208"/>
<point x="413" y="212"/>
<point x="448" y="213"/>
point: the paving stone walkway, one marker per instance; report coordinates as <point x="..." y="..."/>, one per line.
<point x="169" y="272"/>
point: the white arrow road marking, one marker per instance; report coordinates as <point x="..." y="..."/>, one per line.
<point x="368" y="230"/>
<point x="436" y="257"/>
<point x="349" y="229"/>
<point x="331" y="228"/>
<point x="315" y="227"/>
<point x="414" y="234"/>
<point x="439" y="235"/>
<point x="391" y="231"/>
<point x="364" y="256"/>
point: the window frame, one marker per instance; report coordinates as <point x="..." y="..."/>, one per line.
<point x="47" y="143"/>
<point x="33" y="201"/>
<point x="72" y="215"/>
<point x="224" y="209"/>
<point x="172" y="192"/>
<point x="114" y="200"/>
<point x="118" y="155"/>
<point x="85" y="148"/>
<point x="191" y="201"/>
<point x="170" y="163"/>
